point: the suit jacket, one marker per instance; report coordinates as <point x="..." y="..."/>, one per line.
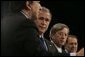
<point x="41" y="48"/>
<point x="18" y="36"/>
<point x="53" y="50"/>
<point x="62" y="54"/>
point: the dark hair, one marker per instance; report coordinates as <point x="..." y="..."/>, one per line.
<point x="58" y="27"/>
<point x="17" y="5"/>
<point x="72" y="36"/>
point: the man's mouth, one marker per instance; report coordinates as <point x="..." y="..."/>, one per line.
<point x="42" y="27"/>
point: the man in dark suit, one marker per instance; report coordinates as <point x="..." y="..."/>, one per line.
<point x="42" y="22"/>
<point x="58" y="35"/>
<point x="71" y="46"/>
<point x="18" y="31"/>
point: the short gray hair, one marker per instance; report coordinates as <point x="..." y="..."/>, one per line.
<point x="44" y="9"/>
<point x="57" y="27"/>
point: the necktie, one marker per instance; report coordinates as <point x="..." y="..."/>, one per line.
<point x="43" y="43"/>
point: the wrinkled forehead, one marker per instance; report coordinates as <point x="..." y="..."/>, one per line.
<point x="63" y="30"/>
<point x="72" y="39"/>
<point x="43" y="13"/>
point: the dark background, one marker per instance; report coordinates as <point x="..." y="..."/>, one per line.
<point x="70" y="13"/>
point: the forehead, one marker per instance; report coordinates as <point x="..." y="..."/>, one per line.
<point x="44" y="14"/>
<point x="71" y="39"/>
<point x="64" y="30"/>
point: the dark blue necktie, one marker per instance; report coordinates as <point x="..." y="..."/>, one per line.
<point x="43" y="43"/>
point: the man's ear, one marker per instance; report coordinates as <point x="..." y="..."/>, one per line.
<point x="28" y="5"/>
<point x="53" y="38"/>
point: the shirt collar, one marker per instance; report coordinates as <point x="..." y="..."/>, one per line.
<point x="41" y="36"/>
<point x="58" y="48"/>
<point x="28" y="17"/>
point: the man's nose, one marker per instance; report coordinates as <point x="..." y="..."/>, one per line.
<point x="63" y="37"/>
<point x="74" y="45"/>
<point x="44" y="22"/>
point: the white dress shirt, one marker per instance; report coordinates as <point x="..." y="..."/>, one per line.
<point x="72" y="53"/>
<point x="26" y="15"/>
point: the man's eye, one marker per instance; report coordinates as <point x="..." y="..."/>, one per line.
<point x="41" y="18"/>
<point x="47" y="20"/>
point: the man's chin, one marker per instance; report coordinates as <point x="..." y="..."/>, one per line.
<point x="42" y="31"/>
<point x="62" y="44"/>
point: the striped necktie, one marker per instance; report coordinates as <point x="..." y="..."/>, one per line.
<point x="43" y="43"/>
